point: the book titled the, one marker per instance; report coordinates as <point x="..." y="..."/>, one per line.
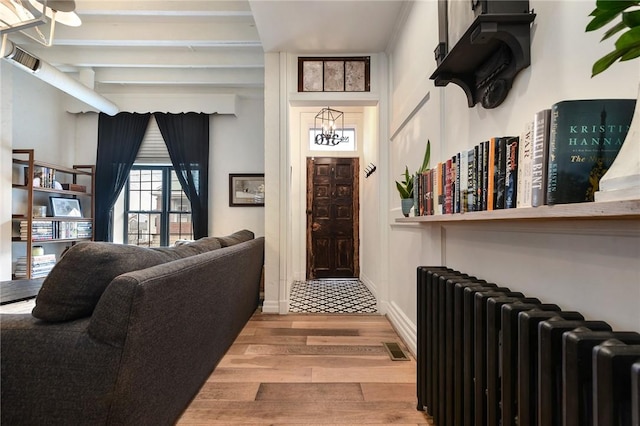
<point x="511" y="173"/>
<point x="499" y="173"/>
<point x="525" y="157"/>
<point x="541" y="126"/>
<point x="585" y="138"/>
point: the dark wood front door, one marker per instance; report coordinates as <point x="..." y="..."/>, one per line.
<point x="332" y="218"/>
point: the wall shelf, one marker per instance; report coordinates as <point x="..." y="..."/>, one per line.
<point x="612" y="210"/>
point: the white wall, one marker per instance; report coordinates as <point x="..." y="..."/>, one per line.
<point x="237" y="146"/>
<point x="589" y="266"/>
<point x="33" y="116"/>
<point x="6" y="137"/>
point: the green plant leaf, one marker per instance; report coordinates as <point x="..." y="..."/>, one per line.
<point x="606" y="11"/>
<point x="427" y="157"/>
<point x="631" y="19"/>
<point x="615" y="4"/>
<point x="605" y="62"/>
<point x="613" y="30"/>
<point x="629" y="39"/>
<point x="402" y="190"/>
<point x="631" y="54"/>
<point x="601" y="19"/>
<point x="405" y="188"/>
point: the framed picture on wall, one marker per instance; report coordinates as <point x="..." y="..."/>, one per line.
<point x="246" y="190"/>
<point x="65" y="207"/>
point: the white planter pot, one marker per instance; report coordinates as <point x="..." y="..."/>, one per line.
<point x="622" y="180"/>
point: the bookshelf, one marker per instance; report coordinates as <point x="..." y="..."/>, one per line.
<point x="35" y="186"/>
<point x="611" y="210"/>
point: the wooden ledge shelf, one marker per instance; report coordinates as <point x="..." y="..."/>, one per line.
<point x="610" y="210"/>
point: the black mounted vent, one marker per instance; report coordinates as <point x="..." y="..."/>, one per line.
<point x="25" y="59"/>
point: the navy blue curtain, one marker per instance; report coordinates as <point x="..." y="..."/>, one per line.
<point x="119" y="139"/>
<point x="187" y="138"/>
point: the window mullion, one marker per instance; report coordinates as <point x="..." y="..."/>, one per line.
<point x="166" y="204"/>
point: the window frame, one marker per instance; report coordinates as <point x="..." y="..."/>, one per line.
<point x="165" y="213"/>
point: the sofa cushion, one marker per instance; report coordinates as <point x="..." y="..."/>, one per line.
<point x="76" y="282"/>
<point x="236" y="238"/>
<point x="192" y="248"/>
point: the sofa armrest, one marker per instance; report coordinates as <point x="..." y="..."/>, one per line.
<point x="54" y="373"/>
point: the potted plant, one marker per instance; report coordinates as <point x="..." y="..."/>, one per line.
<point x="406" y="186"/>
<point x="628" y="44"/>
<point x="622" y="179"/>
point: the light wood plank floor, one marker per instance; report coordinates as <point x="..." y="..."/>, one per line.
<point x="310" y="369"/>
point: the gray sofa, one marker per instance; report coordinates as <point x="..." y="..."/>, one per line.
<point x="136" y="351"/>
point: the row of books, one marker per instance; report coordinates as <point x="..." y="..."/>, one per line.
<point x="43" y="177"/>
<point x="41" y="265"/>
<point x="42" y="230"/>
<point x="559" y="158"/>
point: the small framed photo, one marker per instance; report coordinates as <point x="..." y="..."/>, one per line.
<point x="246" y="190"/>
<point x="65" y="207"/>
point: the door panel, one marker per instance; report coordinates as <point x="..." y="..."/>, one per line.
<point x="332" y="218"/>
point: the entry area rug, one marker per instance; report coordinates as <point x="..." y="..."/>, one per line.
<point x="340" y="296"/>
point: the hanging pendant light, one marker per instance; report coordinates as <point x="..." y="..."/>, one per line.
<point x="16" y="16"/>
<point x="330" y="123"/>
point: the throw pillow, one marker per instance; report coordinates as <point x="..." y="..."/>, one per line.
<point x="74" y="285"/>
<point x="236" y="238"/>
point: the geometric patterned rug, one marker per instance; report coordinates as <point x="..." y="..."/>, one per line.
<point x="339" y="296"/>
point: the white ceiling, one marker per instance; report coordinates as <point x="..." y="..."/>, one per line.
<point x="208" y="45"/>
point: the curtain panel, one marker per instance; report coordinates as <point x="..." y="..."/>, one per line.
<point x="187" y="138"/>
<point x="119" y="139"/>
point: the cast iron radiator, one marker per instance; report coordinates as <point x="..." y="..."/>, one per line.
<point x="490" y="356"/>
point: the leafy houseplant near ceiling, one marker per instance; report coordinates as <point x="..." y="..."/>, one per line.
<point x="627" y="46"/>
<point x="406" y="187"/>
<point x="622" y="180"/>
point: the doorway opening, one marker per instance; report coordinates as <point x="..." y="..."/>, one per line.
<point x="333" y="212"/>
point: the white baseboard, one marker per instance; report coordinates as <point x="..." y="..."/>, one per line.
<point x="270" y="307"/>
<point x="370" y="285"/>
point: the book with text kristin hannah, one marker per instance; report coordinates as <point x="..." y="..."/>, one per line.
<point x="585" y="138"/>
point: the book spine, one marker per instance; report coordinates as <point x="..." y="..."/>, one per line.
<point x="455" y="185"/>
<point x="552" y="165"/>
<point x="511" y="173"/>
<point x="491" y="170"/>
<point x="479" y="154"/>
<point x="471" y="181"/>
<point x="525" y="156"/>
<point x="541" y="127"/>
<point x="464" y="181"/>
<point x="416" y="195"/>
<point x="500" y="173"/>
<point x="485" y="174"/>
<point x="426" y="191"/>
<point x="447" y="187"/>
<point x="442" y="182"/>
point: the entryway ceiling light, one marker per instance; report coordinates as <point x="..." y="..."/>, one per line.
<point x="330" y="122"/>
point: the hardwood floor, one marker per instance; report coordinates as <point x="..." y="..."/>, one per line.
<point x="310" y="369"/>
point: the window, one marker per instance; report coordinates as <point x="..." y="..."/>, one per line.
<point x="349" y="145"/>
<point x="334" y="74"/>
<point x="158" y="211"/>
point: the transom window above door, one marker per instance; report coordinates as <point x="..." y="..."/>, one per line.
<point x="334" y="74"/>
<point x="346" y="146"/>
